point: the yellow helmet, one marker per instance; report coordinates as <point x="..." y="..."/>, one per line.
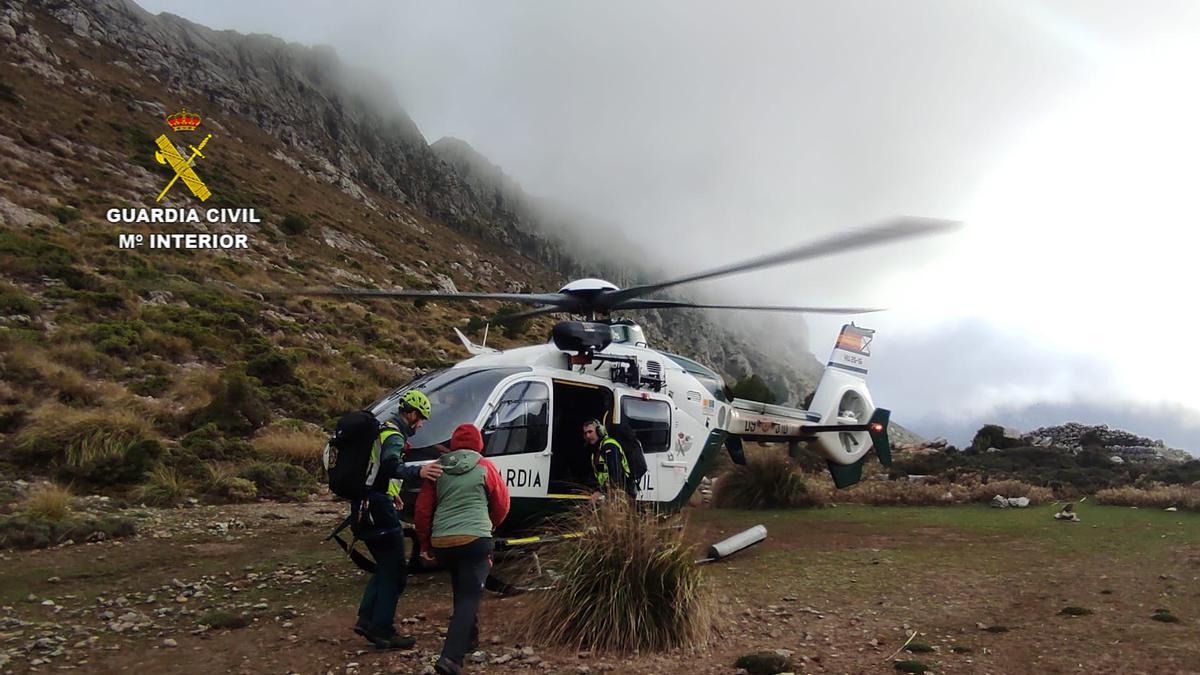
<point x="418" y="401"/>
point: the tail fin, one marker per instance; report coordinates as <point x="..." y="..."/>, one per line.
<point x="842" y="398"/>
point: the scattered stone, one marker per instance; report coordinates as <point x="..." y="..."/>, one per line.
<point x="170" y="643"/>
<point x="764" y="663"/>
<point x="502" y="659"/>
<point x="53" y="580"/>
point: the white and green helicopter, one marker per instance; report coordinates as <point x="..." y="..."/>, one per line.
<point x="531" y="402"/>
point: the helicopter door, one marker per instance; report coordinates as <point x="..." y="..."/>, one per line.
<point x="650" y="419"/>
<point x="516" y="437"/>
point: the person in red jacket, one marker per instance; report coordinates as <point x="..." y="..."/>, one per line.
<point x="455" y="517"/>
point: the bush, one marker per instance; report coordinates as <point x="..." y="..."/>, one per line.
<point x="48" y="502"/>
<point x="222" y="485"/>
<point x="272" y="368"/>
<point x="165" y="487"/>
<point x="768" y="480"/>
<point x="208" y="443"/>
<point x="279" y="480"/>
<point x="105" y="447"/>
<point x="13" y="300"/>
<point x="752" y="388"/>
<point x="236" y="407"/>
<point x="902" y="492"/>
<point x="294" y="224"/>
<point x="630" y="584"/>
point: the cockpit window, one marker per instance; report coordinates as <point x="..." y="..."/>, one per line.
<point x="457" y="395"/>
<point x="521" y="422"/>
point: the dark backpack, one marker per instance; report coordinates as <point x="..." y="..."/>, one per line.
<point x="634" y="453"/>
<point x="348" y="455"/>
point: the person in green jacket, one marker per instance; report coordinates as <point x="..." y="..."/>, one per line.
<point x="455" y="518"/>
<point x="380" y="527"/>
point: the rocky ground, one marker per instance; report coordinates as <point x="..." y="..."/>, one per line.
<point x="253" y="589"/>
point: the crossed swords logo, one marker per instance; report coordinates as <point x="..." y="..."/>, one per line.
<point x="168" y="154"/>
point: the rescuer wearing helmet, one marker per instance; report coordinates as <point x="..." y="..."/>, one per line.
<point x="382" y="530"/>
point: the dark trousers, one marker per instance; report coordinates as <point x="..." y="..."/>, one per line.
<point x="469" y="565"/>
<point x="378" y="606"/>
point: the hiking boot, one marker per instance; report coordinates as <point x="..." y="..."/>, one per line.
<point x="391" y="641"/>
<point x="445" y="666"/>
<point x="363" y="628"/>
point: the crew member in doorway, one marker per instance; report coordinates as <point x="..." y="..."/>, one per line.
<point x="610" y="463"/>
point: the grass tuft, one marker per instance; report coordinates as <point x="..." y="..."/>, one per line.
<point x="630" y="584"/>
<point x="164" y="487"/>
<point x="768" y="480"/>
<point x="1072" y="610"/>
<point x="918" y="648"/>
<point x="48" y="502"/>
<point x="910" y="666"/>
<point x="298" y="446"/>
<point x="219" y="619"/>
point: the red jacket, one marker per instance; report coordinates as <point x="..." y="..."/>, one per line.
<point x="427" y="501"/>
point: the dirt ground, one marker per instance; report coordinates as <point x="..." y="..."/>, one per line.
<point x="840" y="588"/>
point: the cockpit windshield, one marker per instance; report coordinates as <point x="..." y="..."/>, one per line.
<point x="457" y="395"/>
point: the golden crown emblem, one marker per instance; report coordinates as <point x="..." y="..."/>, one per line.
<point x="183" y="121"/>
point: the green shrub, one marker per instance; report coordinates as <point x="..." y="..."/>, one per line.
<point x="630" y="584"/>
<point x="768" y="480"/>
<point x="752" y="388"/>
<point x="153" y="385"/>
<point x="119" y="338"/>
<point x="13" y="300"/>
<point x="293" y="224"/>
<point x="164" y="487"/>
<point x="237" y="407"/>
<point x="208" y="443"/>
<point x="223" y="485"/>
<point x="279" y="480"/>
<point x="273" y="368"/>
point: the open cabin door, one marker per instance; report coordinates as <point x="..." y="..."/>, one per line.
<point x="516" y="436"/>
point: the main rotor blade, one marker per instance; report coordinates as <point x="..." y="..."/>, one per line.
<point x="556" y="299"/>
<point x="892" y="230"/>
<point x="638" y="303"/>
<point x="527" y="314"/>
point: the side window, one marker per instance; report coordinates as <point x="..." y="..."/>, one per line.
<point x="650" y="420"/>
<point x="521" y="421"/>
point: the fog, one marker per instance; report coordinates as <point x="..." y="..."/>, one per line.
<point x="1062" y="133"/>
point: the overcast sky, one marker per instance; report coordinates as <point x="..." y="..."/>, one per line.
<point x="1063" y="133"/>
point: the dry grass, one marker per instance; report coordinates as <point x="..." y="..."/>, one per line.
<point x="193" y="388"/>
<point x="43" y="371"/>
<point x="1012" y="488"/>
<point x="222" y="484"/>
<point x="48" y="502"/>
<point x="907" y="493"/>
<point x="301" y="446"/>
<point x="78" y="437"/>
<point x="629" y="584"/>
<point x="901" y="493"/>
<point x="1186" y="497"/>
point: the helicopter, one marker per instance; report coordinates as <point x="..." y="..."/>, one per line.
<point x="531" y="402"/>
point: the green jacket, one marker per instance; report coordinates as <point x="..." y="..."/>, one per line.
<point x="470" y="498"/>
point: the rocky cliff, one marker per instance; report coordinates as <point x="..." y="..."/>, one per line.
<point x="342" y="127"/>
